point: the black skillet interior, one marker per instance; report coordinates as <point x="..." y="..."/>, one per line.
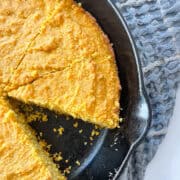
<point x="108" y="152"/>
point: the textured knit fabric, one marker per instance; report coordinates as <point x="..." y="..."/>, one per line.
<point x="155" y="27"/>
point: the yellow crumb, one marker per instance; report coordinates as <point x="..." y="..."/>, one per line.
<point x="79" y="4"/>
<point x="57" y="156"/>
<point x="80" y="131"/>
<point x="34" y="116"/>
<point x="40" y="134"/>
<point x="78" y="163"/>
<point x="91" y="138"/>
<point x="96" y="127"/>
<point x="75" y="124"/>
<point x="121" y="119"/>
<point x="60" y="130"/>
<point x="85" y="143"/>
<point x="48" y="147"/>
<point x="94" y="133"/>
<point x="66" y="161"/>
<point x="67" y="170"/>
<point x="54" y="129"/>
<point x="97" y="133"/>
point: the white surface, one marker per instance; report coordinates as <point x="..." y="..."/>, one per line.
<point x="166" y="163"/>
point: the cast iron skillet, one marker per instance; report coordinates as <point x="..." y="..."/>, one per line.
<point x="107" y="154"/>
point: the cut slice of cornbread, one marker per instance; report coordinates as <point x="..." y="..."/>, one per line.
<point x="70" y="35"/>
<point x="21" y="157"/>
<point x="20" y="23"/>
<point x="86" y="90"/>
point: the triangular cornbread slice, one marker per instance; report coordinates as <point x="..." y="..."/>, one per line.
<point x="70" y="35"/>
<point x="20" y="23"/>
<point x="86" y="90"/>
<point x="21" y="157"/>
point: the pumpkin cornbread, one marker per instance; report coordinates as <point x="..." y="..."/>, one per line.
<point x="21" y="157"/>
<point x="52" y="54"/>
<point x="87" y="90"/>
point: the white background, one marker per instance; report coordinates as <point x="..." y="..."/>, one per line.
<point x="166" y="163"/>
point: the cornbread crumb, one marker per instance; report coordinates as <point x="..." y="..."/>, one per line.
<point x="121" y="120"/>
<point x="91" y="138"/>
<point x="79" y="4"/>
<point x="96" y="127"/>
<point x="80" y="131"/>
<point x="48" y="147"/>
<point x="57" y="156"/>
<point x="35" y="116"/>
<point x="66" y="161"/>
<point x="94" y="133"/>
<point x="85" y="143"/>
<point x="54" y="129"/>
<point x="75" y="124"/>
<point x="67" y="170"/>
<point x="78" y="163"/>
<point x="60" y="131"/>
<point x="40" y="134"/>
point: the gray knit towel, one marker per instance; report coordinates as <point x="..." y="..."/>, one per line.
<point x="155" y="26"/>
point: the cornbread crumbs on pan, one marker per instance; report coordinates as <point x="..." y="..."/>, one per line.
<point x="78" y="163"/>
<point x="67" y="170"/>
<point x="80" y="131"/>
<point x="66" y="161"/>
<point x="94" y="133"/>
<point x="57" y="156"/>
<point x="88" y="91"/>
<point x="17" y="138"/>
<point x="54" y="130"/>
<point x="60" y="131"/>
<point x="75" y="125"/>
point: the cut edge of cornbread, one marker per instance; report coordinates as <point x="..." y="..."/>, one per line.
<point x="87" y="90"/>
